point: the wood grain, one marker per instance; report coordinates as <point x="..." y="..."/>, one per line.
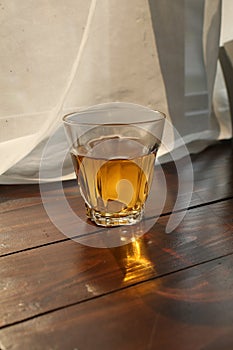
<point x="53" y="276"/>
<point x="190" y="309"/>
<point x="25" y="224"/>
<point x="162" y="291"/>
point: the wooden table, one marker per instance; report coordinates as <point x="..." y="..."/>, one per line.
<point x="166" y="291"/>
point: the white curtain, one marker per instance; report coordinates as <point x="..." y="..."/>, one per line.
<point x="60" y="56"/>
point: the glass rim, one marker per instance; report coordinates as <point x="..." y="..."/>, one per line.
<point x="105" y="107"/>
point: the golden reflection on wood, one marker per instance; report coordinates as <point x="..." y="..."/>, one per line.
<point x="134" y="261"/>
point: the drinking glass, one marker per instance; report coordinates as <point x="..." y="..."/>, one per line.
<point x="113" y="147"/>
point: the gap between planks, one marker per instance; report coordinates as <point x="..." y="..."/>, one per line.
<point x="100" y="230"/>
<point x="164" y="275"/>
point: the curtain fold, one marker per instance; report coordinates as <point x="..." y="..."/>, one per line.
<point x="58" y="57"/>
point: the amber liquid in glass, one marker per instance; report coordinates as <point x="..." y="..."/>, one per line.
<point x="115" y="189"/>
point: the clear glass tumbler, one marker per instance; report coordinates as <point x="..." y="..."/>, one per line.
<point x="113" y="148"/>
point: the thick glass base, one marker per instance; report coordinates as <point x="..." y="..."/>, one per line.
<point x="116" y="219"/>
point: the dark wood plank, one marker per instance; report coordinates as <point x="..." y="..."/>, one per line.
<point x="25" y="224"/>
<point x="14" y="197"/>
<point x="38" y="281"/>
<point x="188" y="310"/>
<point x="211" y="166"/>
<point x="213" y="172"/>
<point x="12" y="192"/>
<point x="30" y="226"/>
<point x="50" y="277"/>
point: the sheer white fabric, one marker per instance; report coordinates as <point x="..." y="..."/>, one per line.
<point x="58" y="57"/>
